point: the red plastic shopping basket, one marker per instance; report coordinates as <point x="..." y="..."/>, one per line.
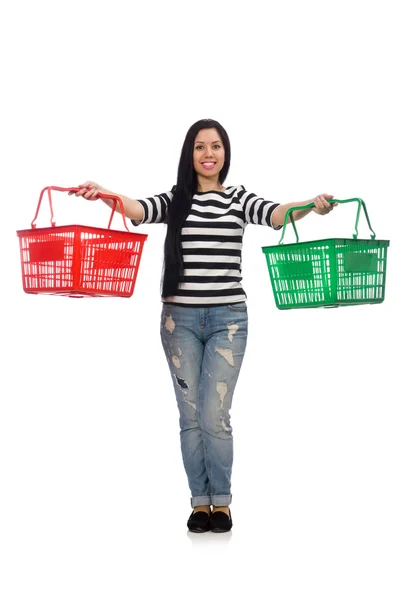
<point x="78" y="260"/>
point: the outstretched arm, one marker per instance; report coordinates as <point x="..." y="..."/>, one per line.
<point x="132" y="208"/>
<point x="321" y="207"/>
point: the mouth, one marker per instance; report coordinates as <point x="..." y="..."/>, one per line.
<point x="208" y="165"/>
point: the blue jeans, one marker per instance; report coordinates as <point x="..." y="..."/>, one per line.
<point x="205" y="349"/>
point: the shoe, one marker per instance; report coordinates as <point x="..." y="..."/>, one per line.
<point x="221" y="522"/>
<point x="199" y="522"/>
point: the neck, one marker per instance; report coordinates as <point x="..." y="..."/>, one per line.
<point x="208" y="184"/>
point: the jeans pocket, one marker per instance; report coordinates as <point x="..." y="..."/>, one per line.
<point x="238" y="307"/>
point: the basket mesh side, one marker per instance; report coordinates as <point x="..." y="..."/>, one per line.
<point x="109" y="263"/>
<point x="301" y="274"/>
<point x="80" y="260"/>
<point x="328" y="272"/>
<point x="46" y="260"/>
<point x="361" y="270"/>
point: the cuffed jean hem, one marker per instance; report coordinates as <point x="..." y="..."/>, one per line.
<point x="208" y="500"/>
<point x="200" y="501"/>
<point x="221" y="500"/>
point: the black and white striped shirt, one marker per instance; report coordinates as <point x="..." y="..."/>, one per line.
<point x="212" y="239"/>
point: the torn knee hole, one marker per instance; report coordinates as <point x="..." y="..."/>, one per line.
<point x="232" y="327"/>
<point x="183" y="386"/>
<point x="221" y="388"/>
<point x="176" y="361"/>
<point x="169" y="324"/>
<point x="227" y="355"/>
<point x="225" y="427"/>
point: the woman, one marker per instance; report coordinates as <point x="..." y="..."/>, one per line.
<point x="204" y="316"/>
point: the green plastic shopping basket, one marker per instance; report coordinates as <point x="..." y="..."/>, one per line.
<point x="332" y="272"/>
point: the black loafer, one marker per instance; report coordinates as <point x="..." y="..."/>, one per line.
<point x="199" y="522"/>
<point x="220" y="522"/>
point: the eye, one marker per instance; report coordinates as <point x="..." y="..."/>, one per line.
<point x="200" y="146"/>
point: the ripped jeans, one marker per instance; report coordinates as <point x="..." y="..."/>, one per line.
<point x="205" y="349"/>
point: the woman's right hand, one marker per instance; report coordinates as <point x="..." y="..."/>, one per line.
<point x="89" y="190"/>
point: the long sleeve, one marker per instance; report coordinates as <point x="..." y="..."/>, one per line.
<point x="257" y="210"/>
<point x="155" y="208"/>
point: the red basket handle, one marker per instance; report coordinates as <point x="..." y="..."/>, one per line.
<point x="76" y="189"/>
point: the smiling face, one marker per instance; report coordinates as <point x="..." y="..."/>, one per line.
<point x="208" y="158"/>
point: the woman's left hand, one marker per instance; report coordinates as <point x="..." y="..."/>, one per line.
<point x="321" y="206"/>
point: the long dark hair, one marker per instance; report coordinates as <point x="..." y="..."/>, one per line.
<point x="183" y="191"/>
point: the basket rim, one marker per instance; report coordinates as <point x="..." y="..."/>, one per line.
<point x="331" y="240"/>
<point x="88" y="228"/>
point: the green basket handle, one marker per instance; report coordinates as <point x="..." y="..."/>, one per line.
<point x="361" y="203"/>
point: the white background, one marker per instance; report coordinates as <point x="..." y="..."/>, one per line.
<point x="94" y="498"/>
